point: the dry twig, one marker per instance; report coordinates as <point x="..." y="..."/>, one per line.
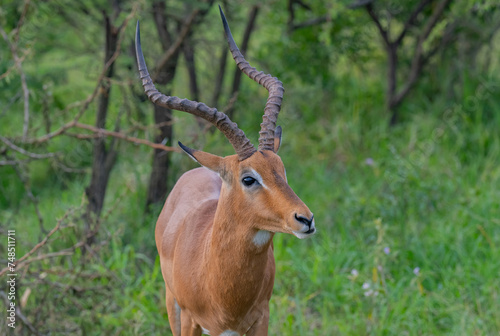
<point x="173" y="49"/>
<point x="41" y="243"/>
<point x="25" y="152"/>
<point x="18" y="63"/>
<point x="21" y="316"/>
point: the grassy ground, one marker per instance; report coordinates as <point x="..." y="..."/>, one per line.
<point x="408" y="227"/>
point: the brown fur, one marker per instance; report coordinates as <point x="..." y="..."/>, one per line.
<point x="212" y="269"/>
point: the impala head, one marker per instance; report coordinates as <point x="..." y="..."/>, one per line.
<point x="258" y="191"/>
<point x="254" y="180"/>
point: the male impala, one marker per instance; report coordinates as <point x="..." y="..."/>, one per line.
<point x="214" y="234"/>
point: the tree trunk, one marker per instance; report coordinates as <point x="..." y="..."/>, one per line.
<point x="392" y="63"/>
<point x="103" y="158"/>
<point x="158" y="187"/>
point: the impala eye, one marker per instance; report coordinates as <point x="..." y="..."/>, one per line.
<point x="248" y="181"/>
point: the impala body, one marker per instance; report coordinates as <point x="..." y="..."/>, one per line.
<point x="214" y="234"/>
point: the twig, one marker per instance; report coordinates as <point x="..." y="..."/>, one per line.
<point x="20" y="22"/>
<point x="244" y="46"/>
<point x="9" y="70"/>
<point x="7" y="106"/>
<point x="140" y="127"/>
<point x="91" y="97"/>
<point x="20" y="315"/>
<point x="65" y="252"/>
<point x="41" y="243"/>
<point x="100" y="132"/>
<point x="177" y="44"/>
<point x="13" y="162"/>
<point x="311" y="22"/>
<point x="18" y="62"/>
<point x="411" y="19"/>
<point x="32" y="197"/>
<point x="25" y="152"/>
<point x="60" y="131"/>
<point x="382" y="30"/>
<point x="419" y="59"/>
<point x="230" y="103"/>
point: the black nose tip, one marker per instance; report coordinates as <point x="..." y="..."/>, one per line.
<point x="304" y="220"/>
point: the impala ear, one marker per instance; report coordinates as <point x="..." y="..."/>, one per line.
<point x="210" y="161"/>
<point x="277" y="138"/>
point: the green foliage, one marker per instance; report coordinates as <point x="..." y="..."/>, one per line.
<point x="407" y="217"/>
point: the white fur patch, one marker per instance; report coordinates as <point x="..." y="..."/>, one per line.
<point x="205" y="331"/>
<point x="258" y="178"/>
<point x="261" y="238"/>
<point x="229" y="333"/>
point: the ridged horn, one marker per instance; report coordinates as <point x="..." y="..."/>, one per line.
<point x="243" y="147"/>
<point x="272" y="84"/>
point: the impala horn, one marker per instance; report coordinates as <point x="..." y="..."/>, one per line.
<point x="243" y="147"/>
<point x="272" y="85"/>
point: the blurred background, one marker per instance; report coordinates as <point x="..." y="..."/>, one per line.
<point x="391" y="122"/>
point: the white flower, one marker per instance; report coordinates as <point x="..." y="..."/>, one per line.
<point x="354" y="272"/>
<point x="366" y="285"/>
<point x="387" y="250"/>
<point x="416" y="271"/>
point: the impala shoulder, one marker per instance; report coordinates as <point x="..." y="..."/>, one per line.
<point x="200" y="174"/>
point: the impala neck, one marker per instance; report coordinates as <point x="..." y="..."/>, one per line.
<point x="236" y="266"/>
<point x="235" y="239"/>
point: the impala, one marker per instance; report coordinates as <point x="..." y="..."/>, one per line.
<point x="214" y="234"/>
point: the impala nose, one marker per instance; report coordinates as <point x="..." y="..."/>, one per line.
<point x="308" y="222"/>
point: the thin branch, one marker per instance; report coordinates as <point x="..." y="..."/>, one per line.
<point x="244" y="46"/>
<point x="177" y="44"/>
<point x="10" y="69"/>
<point x="85" y="103"/>
<point x="13" y="162"/>
<point x="20" y="315"/>
<point x="11" y="101"/>
<point x="360" y="3"/>
<point x="438" y="11"/>
<point x="31" y="197"/>
<point x="303" y="4"/>
<point x="411" y="19"/>
<point x="104" y="71"/>
<point x="18" y="62"/>
<point x="220" y="75"/>
<point x="65" y="252"/>
<point x="308" y="23"/>
<point x="41" y="243"/>
<point x="230" y="103"/>
<point x="20" y="22"/>
<point x="58" y="132"/>
<point x="25" y="152"/>
<point x="382" y="30"/>
<point x="100" y="132"/>
<point x="311" y="22"/>
<point x="291" y="16"/>
<point x="188" y="51"/>
<point x="419" y="59"/>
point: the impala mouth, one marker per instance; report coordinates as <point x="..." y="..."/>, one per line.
<point x="307" y="234"/>
<point x="307" y="230"/>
